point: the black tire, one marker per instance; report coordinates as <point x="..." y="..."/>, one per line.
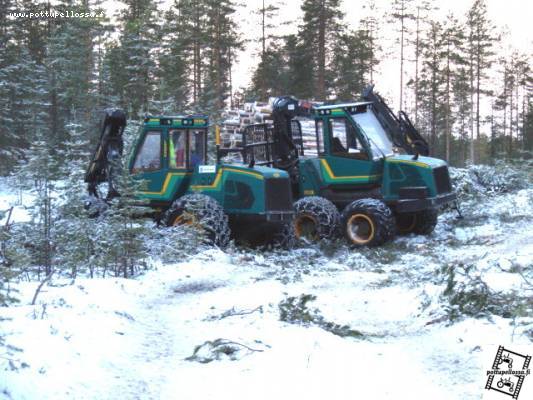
<point x="315" y="218"/>
<point x="204" y="213"/>
<point x="421" y="223"/>
<point x="368" y="222"/>
<point x="426" y="221"/>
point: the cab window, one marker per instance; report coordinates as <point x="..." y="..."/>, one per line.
<point x="344" y="140"/>
<point x="149" y="155"/>
<point x="196" y="147"/>
<point x="177" y="148"/>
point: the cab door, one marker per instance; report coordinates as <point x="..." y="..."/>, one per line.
<point x="346" y="163"/>
<point x="148" y="164"/>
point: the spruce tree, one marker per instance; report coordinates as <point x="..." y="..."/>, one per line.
<point x="135" y="61"/>
<point x="270" y="77"/>
<point x="321" y="26"/>
<point x="38" y="176"/>
<point x="352" y="64"/>
<point x="300" y="68"/>
<point x="175" y="82"/>
<point x="223" y="41"/>
<point x="75" y="232"/>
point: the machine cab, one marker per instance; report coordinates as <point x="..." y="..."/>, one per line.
<point x="166" y="154"/>
<point x="351" y="145"/>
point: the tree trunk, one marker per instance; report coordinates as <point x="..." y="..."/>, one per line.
<point x="472" y="153"/>
<point x="401" y="61"/>
<point x="263" y="28"/>
<point x="448" y="111"/>
<point x="321" y="79"/>
<point x="417" y="54"/>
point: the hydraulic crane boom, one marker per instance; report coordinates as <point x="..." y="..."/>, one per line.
<point x="399" y="128"/>
<point x="106" y="158"/>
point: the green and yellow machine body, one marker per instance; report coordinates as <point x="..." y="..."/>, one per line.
<point x="170" y="160"/>
<point x="364" y="169"/>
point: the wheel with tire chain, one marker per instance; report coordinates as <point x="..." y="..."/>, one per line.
<point x="315" y="218"/>
<point x="285" y="238"/>
<point x="421" y="223"/>
<point x="368" y="222"/>
<point x="203" y="213"/>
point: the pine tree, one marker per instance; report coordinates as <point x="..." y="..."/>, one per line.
<point x="432" y="84"/>
<point x="528" y="125"/>
<point x="370" y="26"/>
<point x="422" y="10"/>
<point x="480" y="44"/>
<point x="269" y="77"/>
<point x="267" y="12"/>
<point x="461" y="94"/>
<point x="453" y="42"/>
<point x="401" y="14"/>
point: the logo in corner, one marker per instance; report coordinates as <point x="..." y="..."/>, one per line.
<point x="508" y="372"/>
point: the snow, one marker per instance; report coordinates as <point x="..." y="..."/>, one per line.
<point x="11" y="198"/>
<point x="133" y="338"/>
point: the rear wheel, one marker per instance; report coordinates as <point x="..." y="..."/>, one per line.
<point x="368" y="222"/>
<point x="422" y="222"/>
<point x="315" y="218"/>
<point x="204" y="214"/>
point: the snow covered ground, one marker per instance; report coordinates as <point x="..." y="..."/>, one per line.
<point x="418" y="318"/>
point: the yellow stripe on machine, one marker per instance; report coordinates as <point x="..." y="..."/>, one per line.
<point x="166" y="183"/>
<point x="213" y="185"/>
<point x="333" y="176"/>
<point x="216" y="182"/>
<point x="417" y="163"/>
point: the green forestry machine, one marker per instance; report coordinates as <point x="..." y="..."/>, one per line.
<point x="169" y="159"/>
<point x="371" y="177"/>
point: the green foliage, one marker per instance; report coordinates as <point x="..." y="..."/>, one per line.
<point x="295" y="311"/>
<point x="352" y="64"/>
<point x="220" y="349"/>
<point x="466" y="294"/>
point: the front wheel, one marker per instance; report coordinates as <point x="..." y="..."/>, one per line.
<point x="368" y="222"/>
<point x="421" y="223"/>
<point x="204" y="214"/>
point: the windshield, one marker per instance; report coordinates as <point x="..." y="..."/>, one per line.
<point x="379" y="141"/>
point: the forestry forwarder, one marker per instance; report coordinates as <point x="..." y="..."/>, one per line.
<point x="359" y="180"/>
<point x="170" y="160"/>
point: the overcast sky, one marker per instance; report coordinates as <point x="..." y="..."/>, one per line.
<point x="515" y="14"/>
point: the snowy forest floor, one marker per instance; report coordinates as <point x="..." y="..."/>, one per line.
<point x="418" y="318"/>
